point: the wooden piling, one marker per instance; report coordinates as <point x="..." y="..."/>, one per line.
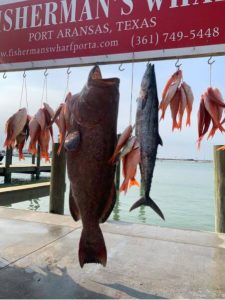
<point x="8" y="162"/>
<point x="117" y="174"/>
<point x="58" y="178"/>
<point x="219" y="179"/>
<point x="117" y="178"/>
<point x="33" y="163"/>
<point x="38" y="163"/>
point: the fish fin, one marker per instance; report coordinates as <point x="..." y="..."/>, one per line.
<point x="160" y="140"/>
<point x="124" y="186"/>
<point x="72" y="141"/>
<point x="199" y="142"/>
<point x="188" y="122"/>
<point x="175" y="125"/>
<point x="110" y="203"/>
<point x="115" y="158"/>
<point x="56" y="115"/>
<point x="134" y="182"/>
<point x="73" y="207"/>
<point x="92" y="247"/>
<point x="33" y="148"/>
<point x="148" y="202"/>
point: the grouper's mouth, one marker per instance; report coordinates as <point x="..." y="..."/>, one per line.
<point x="95" y="77"/>
<point x="96" y="73"/>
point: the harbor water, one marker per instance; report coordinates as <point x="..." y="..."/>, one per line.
<point x="183" y="190"/>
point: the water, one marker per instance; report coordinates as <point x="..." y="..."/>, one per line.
<point x="182" y="189"/>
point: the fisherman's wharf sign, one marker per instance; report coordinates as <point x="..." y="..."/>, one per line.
<point x="38" y="33"/>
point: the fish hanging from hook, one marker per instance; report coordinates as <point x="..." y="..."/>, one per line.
<point x="177" y="65"/>
<point x="210" y="63"/>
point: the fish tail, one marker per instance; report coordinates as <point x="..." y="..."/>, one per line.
<point x="212" y="133"/>
<point x="148" y="202"/>
<point x="175" y="125"/>
<point x="32" y="148"/>
<point x="9" y="143"/>
<point x="124" y="186"/>
<point x="162" y="115"/>
<point x="92" y="247"/>
<point x="21" y="156"/>
<point x="188" y="122"/>
<point x="114" y="158"/>
<point x="199" y="142"/>
<point x="134" y="182"/>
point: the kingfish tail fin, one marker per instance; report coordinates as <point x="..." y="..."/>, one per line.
<point x="148" y="202"/>
<point x="92" y="247"/>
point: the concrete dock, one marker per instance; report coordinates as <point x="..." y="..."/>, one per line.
<point x="38" y="259"/>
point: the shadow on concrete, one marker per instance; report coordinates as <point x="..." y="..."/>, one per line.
<point x="42" y="283"/>
<point x="131" y="292"/>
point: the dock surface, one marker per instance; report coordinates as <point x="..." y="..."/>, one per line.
<point x="38" y="259"/>
<point x="15" y="194"/>
<point x="25" y="169"/>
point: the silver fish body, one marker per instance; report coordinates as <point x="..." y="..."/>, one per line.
<point x="147" y="132"/>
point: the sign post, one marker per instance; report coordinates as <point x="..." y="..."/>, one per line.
<point x="58" y="33"/>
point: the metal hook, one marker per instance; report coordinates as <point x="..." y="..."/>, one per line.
<point x="46" y="73"/>
<point x="68" y="71"/>
<point x="4" y="76"/>
<point x="178" y="65"/>
<point x="24" y="74"/>
<point x="210" y="62"/>
<point x="121" y="69"/>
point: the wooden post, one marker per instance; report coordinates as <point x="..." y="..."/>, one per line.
<point x="38" y="163"/>
<point x="219" y="179"/>
<point x="33" y="163"/>
<point x="58" y="178"/>
<point x="117" y="179"/>
<point x="8" y="162"/>
<point x="117" y="175"/>
<point x="33" y="159"/>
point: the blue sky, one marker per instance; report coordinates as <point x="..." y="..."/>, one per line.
<point x="176" y="144"/>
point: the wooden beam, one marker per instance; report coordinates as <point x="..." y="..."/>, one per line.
<point x="17" y="194"/>
<point x="219" y="179"/>
<point x="58" y="179"/>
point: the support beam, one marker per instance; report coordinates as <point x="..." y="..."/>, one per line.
<point x="8" y="162"/>
<point x="219" y="179"/>
<point x="58" y="178"/>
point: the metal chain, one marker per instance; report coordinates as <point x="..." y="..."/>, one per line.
<point x="45" y="91"/>
<point x="132" y="88"/>
<point x="67" y="82"/>
<point x="24" y="87"/>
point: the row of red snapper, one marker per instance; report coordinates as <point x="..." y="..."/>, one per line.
<point x="177" y="94"/>
<point x="20" y="126"/>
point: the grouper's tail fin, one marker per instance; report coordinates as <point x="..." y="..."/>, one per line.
<point x="148" y="202"/>
<point x="92" y="247"/>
